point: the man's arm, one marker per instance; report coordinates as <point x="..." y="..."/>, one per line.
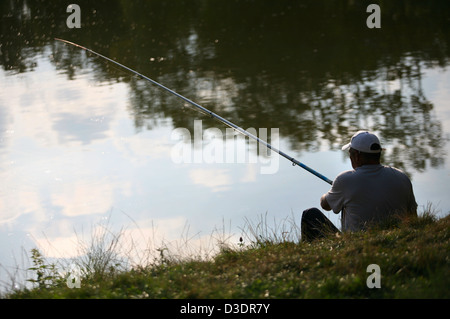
<point x="324" y="203"/>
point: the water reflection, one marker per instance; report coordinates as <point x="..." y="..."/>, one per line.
<point x="310" y="68"/>
<point x="319" y="81"/>
<point x="313" y="71"/>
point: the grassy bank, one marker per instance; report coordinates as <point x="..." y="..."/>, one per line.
<point x="413" y="257"/>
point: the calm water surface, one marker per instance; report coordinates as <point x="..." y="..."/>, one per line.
<point x="86" y="146"/>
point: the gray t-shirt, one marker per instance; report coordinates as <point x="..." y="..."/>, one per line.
<point x="370" y="193"/>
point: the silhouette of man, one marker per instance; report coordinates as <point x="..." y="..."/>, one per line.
<point x="368" y="194"/>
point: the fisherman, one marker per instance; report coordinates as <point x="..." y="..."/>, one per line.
<point x="370" y="193"/>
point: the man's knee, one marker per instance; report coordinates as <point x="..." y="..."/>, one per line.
<point x="311" y="214"/>
<point x="315" y="224"/>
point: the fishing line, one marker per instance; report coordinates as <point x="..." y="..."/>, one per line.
<point x="206" y="112"/>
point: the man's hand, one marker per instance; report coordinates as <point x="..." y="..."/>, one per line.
<point x="324" y="203"/>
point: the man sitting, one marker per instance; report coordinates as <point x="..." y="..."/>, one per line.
<point x="368" y="194"/>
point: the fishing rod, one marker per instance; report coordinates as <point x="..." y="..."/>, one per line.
<point x="206" y="111"/>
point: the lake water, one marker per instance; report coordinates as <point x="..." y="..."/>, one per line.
<point x="87" y="147"/>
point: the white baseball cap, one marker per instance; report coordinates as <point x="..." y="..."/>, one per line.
<point x="365" y="142"/>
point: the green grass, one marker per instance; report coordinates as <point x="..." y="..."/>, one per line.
<point x="413" y="256"/>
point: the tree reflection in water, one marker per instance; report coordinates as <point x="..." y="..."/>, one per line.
<point x="311" y="68"/>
